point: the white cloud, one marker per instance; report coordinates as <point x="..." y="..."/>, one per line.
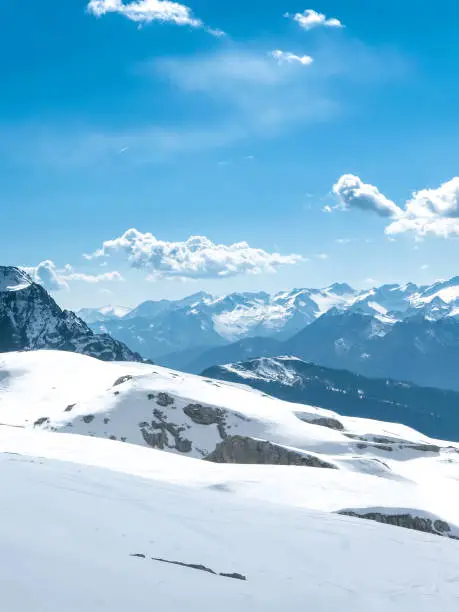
<point x="53" y="278"/>
<point x="146" y="11"/>
<point x="95" y="278"/>
<point x="353" y="193"/>
<point x="429" y="211"/>
<point x="289" y="58"/>
<point x="310" y="19"/>
<point x="322" y="256"/>
<point x="197" y="257"/>
<point x="47" y="274"/>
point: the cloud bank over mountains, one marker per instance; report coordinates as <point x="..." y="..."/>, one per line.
<point x="197" y="258"/>
<point x="427" y="212"/>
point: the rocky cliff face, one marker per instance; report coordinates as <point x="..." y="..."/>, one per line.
<point x="30" y="319"/>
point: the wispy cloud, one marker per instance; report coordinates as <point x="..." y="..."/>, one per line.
<point x="253" y="92"/>
<point x="147" y="11"/>
<point x="428" y="211"/>
<point x="228" y="95"/>
<point x="54" y="279"/>
<point x="310" y="19"/>
<point x="197" y="258"/>
<point x="288" y="57"/>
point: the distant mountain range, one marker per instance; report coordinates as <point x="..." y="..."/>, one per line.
<point x="435" y="412"/>
<point x="30" y="319"/>
<point x="400" y="331"/>
<point x="416" y="349"/>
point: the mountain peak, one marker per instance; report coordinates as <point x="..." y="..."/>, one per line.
<point x="13" y="279"/>
<point x="340" y="289"/>
<point x="30" y="319"/>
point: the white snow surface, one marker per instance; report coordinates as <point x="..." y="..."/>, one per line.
<point x="68" y="530"/>
<point x="74" y="508"/>
<point x="379" y="464"/>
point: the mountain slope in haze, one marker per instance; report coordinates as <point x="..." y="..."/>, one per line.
<point x="30" y="319"/>
<point x="171" y="332"/>
<point x="434" y="412"/>
<point x="175" y="331"/>
<point x="242" y="350"/>
<point x="113" y="526"/>
<point x="416" y="349"/>
<point x="166" y="328"/>
<point x="421" y="350"/>
<point x="106" y="313"/>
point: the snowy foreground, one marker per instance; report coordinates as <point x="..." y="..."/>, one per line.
<point x="83" y="516"/>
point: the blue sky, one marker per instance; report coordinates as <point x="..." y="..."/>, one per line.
<point x="144" y="115"/>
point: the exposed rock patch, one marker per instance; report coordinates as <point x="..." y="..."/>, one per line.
<point x="408" y="521"/>
<point x="41" y="421"/>
<point x="244" y="450"/>
<point x="164" y="400"/>
<point x="161" y="434"/>
<point x="389" y="444"/>
<point x="122" y="380"/>
<point x="195" y="566"/>
<point x="208" y="415"/>
<point x="322" y="421"/>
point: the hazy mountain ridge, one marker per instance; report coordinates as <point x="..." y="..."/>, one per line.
<point x="416" y="349"/>
<point x="435" y="412"/>
<point x="167" y="328"/>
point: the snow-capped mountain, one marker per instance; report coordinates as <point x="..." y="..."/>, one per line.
<point x="197" y="525"/>
<point x="432" y="411"/>
<point x="168" y="330"/>
<point x="30" y="319"/>
<point x="336" y="339"/>
<point x="106" y="313"/>
<point x="417" y="349"/>
<point x="158" y="329"/>
<point x="366" y="464"/>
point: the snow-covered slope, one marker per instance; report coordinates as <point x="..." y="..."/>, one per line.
<point x="367" y="464"/>
<point x="87" y="524"/>
<point x="30" y="319"/>
<point x="96" y="524"/>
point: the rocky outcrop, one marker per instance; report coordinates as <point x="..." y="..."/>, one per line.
<point x="207" y="415"/>
<point x="408" y="521"/>
<point x="163" y="434"/>
<point x="196" y="566"/>
<point x="321" y="421"/>
<point x="241" y="449"/>
<point x="30" y="320"/>
<point x="390" y="444"/>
